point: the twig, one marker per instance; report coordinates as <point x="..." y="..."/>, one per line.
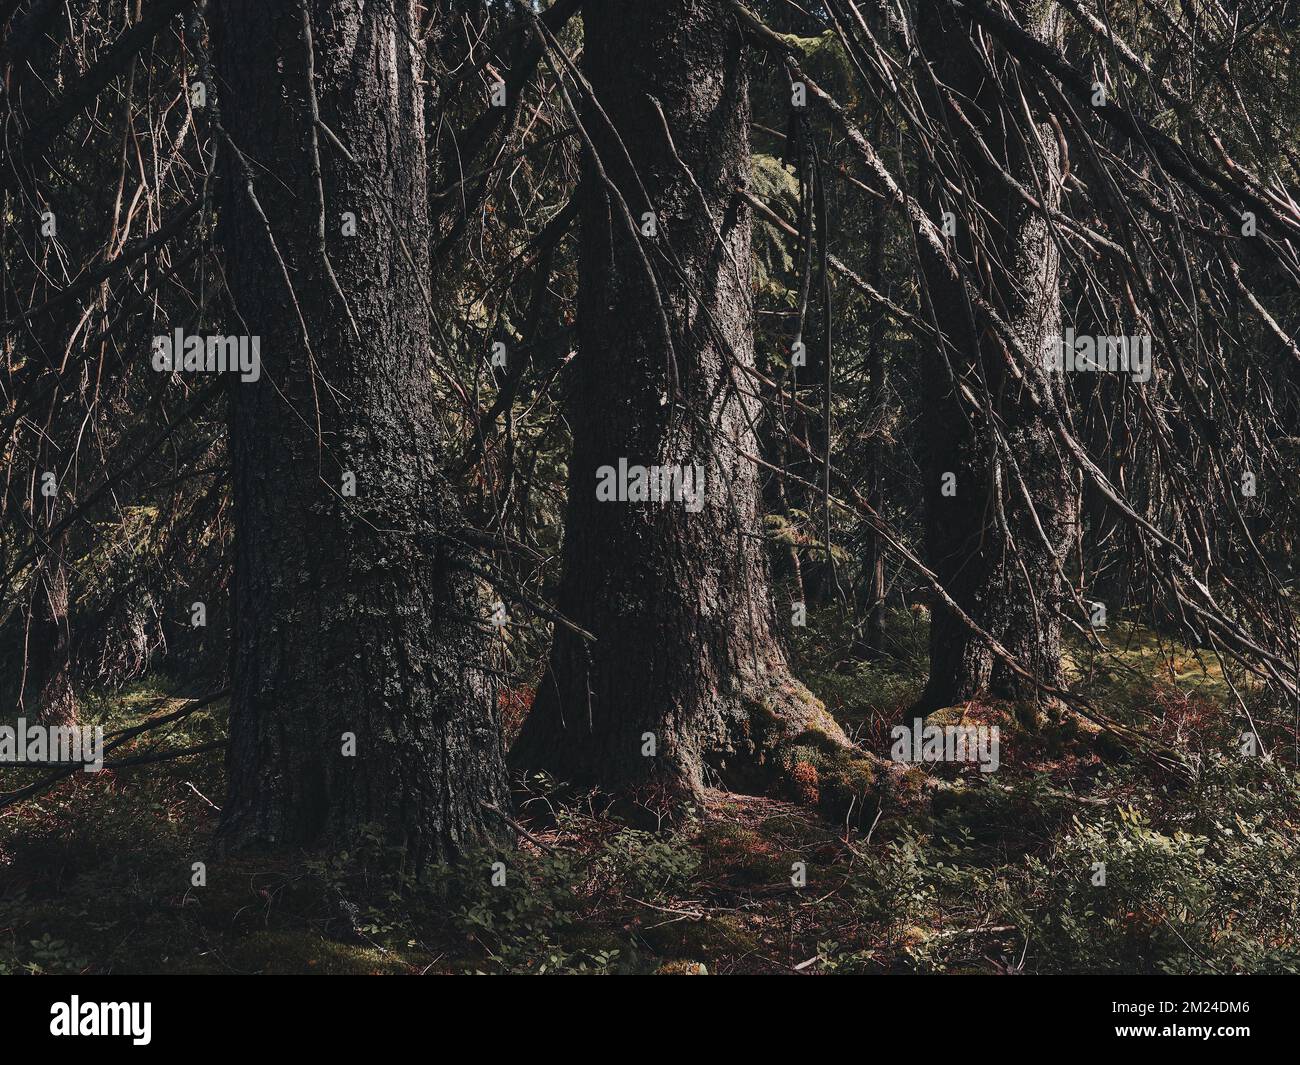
<point x="517" y="826"/>
<point x="10" y="797"/>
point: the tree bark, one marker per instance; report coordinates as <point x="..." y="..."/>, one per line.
<point x="45" y="690"/>
<point x="872" y="584"/>
<point x="47" y="686"/>
<point x="685" y="659"/>
<point x="353" y="615"/>
<point x="983" y="541"/>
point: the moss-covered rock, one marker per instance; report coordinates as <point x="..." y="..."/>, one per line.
<point x="817" y="770"/>
<point x="682" y="968"/>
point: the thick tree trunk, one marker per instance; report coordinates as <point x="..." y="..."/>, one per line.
<point x="685" y="662"/>
<point x="354" y="615"/>
<point x="983" y="540"/>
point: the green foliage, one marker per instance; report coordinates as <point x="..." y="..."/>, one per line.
<point x="651" y="866"/>
<point x="525" y="911"/>
<point x="776" y="185"/>
<point x="517" y="924"/>
<point x="1209" y="885"/>
<point x="859" y="690"/>
<point x="993" y="872"/>
<point x="825" y="61"/>
<point x="1224" y="898"/>
<point x="46" y="956"/>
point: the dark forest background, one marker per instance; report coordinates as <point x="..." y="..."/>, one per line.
<point x="386" y="687"/>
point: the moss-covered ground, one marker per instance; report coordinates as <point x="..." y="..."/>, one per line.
<point x="947" y="869"/>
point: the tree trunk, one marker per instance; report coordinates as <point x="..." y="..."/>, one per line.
<point x="872" y="583"/>
<point x="685" y="662"/>
<point x="47" y="683"/>
<point x="983" y="540"/>
<point x="354" y="615"/>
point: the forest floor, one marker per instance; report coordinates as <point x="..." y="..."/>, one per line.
<point x="990" y="872"/>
